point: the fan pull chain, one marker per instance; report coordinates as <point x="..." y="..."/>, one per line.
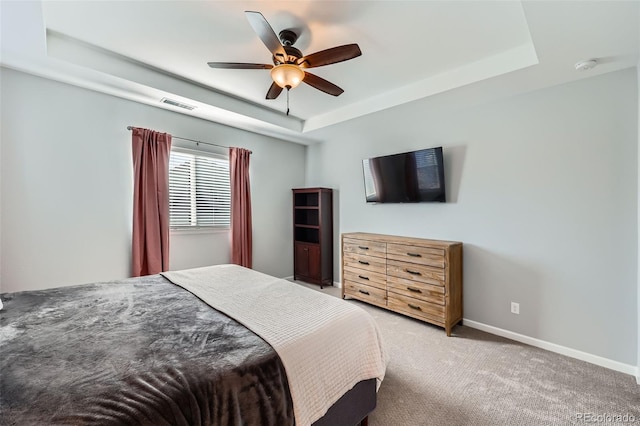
<point x="288" y="100"/>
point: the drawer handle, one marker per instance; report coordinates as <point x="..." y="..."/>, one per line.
<point x="363" y="247"/>
<point x="414" y="254"/>
<point x="364" y="292"/>
<point x="414" y="306"/>
<point x="363" y="262"/>
<point x="412" y="272"/>
<point x="363" y="277"/>
<point x="415" y="290"/>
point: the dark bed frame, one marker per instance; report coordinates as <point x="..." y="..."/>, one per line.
<point x="353" y="407"/>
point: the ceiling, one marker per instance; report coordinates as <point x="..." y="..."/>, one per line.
<point x="149" y="50"/>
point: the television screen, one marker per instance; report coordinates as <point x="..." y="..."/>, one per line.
<point x="409" y="177"/>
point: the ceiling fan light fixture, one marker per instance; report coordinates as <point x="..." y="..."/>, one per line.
<point x="287" y="76"/>
<point x="289" y="66"/>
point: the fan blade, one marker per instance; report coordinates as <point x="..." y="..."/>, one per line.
<point x="266" y="34"/>
<point x="322" y="84"/>
<point x="274" y="91"/>
<point x="239" y="66"/>
<point x="330" y="56"/>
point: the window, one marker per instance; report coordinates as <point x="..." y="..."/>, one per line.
<point x="199" y="191"/>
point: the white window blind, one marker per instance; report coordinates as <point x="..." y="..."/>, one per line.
<point x="199" y="191"/>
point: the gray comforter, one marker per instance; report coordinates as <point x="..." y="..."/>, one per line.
<point x="136" y="351"/>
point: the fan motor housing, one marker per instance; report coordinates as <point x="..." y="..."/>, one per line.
<point x="288" y="37"/>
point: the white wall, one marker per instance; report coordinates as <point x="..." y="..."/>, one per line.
<point x="543" y="193"/>
<point x="1" y="202"/>
<point x="638" y="235"/>
<point x="67" y="186"/>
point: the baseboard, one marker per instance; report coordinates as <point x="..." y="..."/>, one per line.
<point x="562" y="350"/>
<point x="335" y="283"/>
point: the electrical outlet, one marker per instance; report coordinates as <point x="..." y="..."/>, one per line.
<point x="515" y="308"/>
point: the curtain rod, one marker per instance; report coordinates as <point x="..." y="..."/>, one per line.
<point x="193" y="140"/>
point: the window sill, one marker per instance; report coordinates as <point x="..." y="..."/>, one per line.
<point x="203" y="230"/>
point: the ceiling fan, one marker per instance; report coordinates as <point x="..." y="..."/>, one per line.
<point x="289" y="64"/>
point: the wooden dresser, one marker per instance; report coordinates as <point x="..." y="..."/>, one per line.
<point x="412" y="276"/>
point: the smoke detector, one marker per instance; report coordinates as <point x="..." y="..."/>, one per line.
<point x="586" y="65"/>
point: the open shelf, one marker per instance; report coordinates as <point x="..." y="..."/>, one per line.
<point x="307" y="217"/>
<point x="306" y="199"/>
<point x="307" y="235"/>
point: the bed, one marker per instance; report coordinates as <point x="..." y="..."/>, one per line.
<point x="221" y="345"/>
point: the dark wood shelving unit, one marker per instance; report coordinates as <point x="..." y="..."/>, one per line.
<point x="313" y="235"/>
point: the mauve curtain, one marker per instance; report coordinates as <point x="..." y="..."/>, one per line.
<point x="241" y="244"/>
<point x="150" y="248"/>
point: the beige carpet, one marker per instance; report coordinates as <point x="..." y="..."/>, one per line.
<point x="476" y="378"/>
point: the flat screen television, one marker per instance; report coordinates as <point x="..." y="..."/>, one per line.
<point x="409" y="177"/>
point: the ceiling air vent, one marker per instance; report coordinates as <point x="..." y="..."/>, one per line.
<point x="176" y="104"/>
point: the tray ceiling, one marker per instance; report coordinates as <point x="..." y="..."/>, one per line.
<point x="149" y="50"/>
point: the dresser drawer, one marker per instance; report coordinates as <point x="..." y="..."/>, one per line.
<point x="365" y="293"/>
<point x="367" y="263"/>
<point x="422" y="291"/>
<point x="417" y="254"/>
<point x="415" y="272"/>
<point x="373" y="279"/>
<point x="369" y="248"/>
<point x="416" y="308"/>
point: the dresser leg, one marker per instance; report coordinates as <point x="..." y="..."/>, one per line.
<point x="448" y="330"/>
<point x="365" y="421"/>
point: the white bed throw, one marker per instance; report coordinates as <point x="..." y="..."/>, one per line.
<point x="326" y="344"/>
